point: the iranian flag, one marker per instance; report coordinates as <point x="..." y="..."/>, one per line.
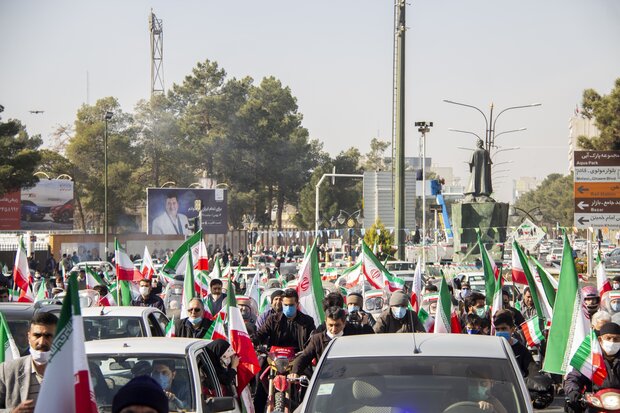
<point x="217" y="329"/>
<point x="418" y="284"/>
<point x="147" y="269"/>
<point x="67" y="387"/>
<point x="177" y="262"/>
<point x="169" y="332"/>
<point x="202" y="261"/>
<point x="531" y="331"/>
<point x="427" y="319"/>
<point x="108" y="300"/>
<point x="21" y="272"/>
<point x="497" y="304"/>
<point x="124" y="267"/>
<point x="446" y="319"/>
<point x="241" y="342"/>
<point x="490" y="273"/>
<point x="550" y="285"/>
<point x="253" y="291"/>
<point x="569" y="326"/>
<point x="588" y="359"/>
<point x="535" y="289"/>
<point x="353" y="275"/>
<point x="310" y="288"/>
<point x="8" y="349"/>
<point x="518" y="274"/>
<point x="26" y="296"/>
<point x="376" y="274"/>
<point x="42" y="293"/>
<point x="201" y="283"/>
<point x="602" y="282"/>
<point x="216" y="272"/>
<point x="189" y="289"/>
<point x="92" y="278"/>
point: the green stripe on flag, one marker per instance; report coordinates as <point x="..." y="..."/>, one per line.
<point x="489" y="275"/>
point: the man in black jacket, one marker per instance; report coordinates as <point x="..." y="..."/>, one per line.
<point x="575" y="382"/>
<point x="148" y="298"/>
<point x="336" y="325"/>
<point x="195" y="325"/>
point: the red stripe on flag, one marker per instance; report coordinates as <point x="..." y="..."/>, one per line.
<point x="518" y="276"/>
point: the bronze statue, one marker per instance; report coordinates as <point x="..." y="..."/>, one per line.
<point x="480" y="186"/>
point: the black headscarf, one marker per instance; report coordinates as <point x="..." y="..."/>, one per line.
<point x="215" y="350"/>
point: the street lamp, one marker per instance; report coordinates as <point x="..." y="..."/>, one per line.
<point x="466" y="131"/>
<point x="508" y="131"/>
<point x="106" y="117"/>
<point x="504" y="150"/>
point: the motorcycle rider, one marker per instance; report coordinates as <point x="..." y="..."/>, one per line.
<point x="336" y="326"/>
<point x="276" y="307"/>
<point x="398" y="318"/>
<point x="575" y="382"/>
<point x="355" y="308"/>
<point x="591" y="300"/>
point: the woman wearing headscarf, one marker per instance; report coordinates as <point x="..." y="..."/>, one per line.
<point x="225" y="361"/>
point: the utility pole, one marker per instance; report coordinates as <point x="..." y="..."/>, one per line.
<point x="424" y="128"/>
<point x="399" y="125"/>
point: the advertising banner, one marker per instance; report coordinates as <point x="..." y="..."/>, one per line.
<point x="171" y="211"/>
<point x="47" y="206"/>
<point x="9" y="211"/>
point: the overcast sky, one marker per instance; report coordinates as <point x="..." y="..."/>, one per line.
<point x="336" y="56"/>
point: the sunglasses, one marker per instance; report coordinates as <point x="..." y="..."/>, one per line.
<point x="194" y="310"/>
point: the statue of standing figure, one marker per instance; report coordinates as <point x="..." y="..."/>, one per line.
<point x="480" y="186"/>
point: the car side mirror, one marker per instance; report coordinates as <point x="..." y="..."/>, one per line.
<point x="218" y="404"/>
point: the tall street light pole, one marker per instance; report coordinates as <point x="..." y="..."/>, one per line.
<point x="424" y="128"/>
<point x="107" y="116"/>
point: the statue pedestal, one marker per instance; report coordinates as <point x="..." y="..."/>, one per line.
<point x="490" y="217"/>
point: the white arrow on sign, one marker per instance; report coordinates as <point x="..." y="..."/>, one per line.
<point x="582" y="205"/>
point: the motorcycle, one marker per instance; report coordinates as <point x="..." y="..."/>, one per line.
<point x="281" y="396"/>
<point x="604" y="400"/>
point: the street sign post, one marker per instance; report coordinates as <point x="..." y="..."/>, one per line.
<point x="597" y="189"/>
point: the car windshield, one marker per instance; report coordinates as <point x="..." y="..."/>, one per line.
<point x="413" y="384"/>
<point x="111" y="372"/>
<point x="400" y="266"/>
<point x="102" y="327"/>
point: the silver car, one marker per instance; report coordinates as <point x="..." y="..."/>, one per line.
<point x="416" y="373"/>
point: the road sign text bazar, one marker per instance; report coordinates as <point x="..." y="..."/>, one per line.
<point x="597" y="189"/>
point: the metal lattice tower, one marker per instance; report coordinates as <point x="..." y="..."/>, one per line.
<point x="157" y="54"/>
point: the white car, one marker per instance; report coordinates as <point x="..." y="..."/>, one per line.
<point x="96" y="266"/>
<point x="112" y="363"/>
<point x="415" y="373"/>
<point x="103" y="323"/>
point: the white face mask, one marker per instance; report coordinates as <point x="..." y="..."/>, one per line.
<point x="332" y="336"/>
<point x="610" y="347"/>
<point x="144" y="291"/>
<point x="40" y="357"/>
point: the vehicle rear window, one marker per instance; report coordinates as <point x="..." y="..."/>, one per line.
<point x="412" y="384"/>
<point x="111" y="372"/>
<point x="102" y="328"/>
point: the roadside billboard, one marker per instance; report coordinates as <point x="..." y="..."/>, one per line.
<point x="171" y="211"/>
<point x="47" y="206"/>
<point x="9" y="211"/>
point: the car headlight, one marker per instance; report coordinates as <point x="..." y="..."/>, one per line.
<point x="610" y="401"/>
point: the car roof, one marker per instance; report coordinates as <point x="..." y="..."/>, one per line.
<point x="430" y="345"/>
<point x="117" y="311"/>
<point x="143" y="345"/>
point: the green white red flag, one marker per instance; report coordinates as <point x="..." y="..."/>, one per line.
<point x="353" y="275"/>
<point x="527" y="270"/>
<point x="589" y="360"/>
<point x="569" y="326"/>
<point x="376" y="274"/>
<point x="518" y="274"/>
<point x="416" y="287"/>
<point x="92" y="278"/>
<point x="531" y="331"/>
<point x="240" y="342"/>
<point x="216" y="272"/>
<point x="550" y="285"/>
<point x="602" y="282"/>
<point x="177" y="262"/>
<point x="189" y="289"/>
<point x="42" y="293"/>
<point x="497" y="304"/>
<point x="21" y="273"/>
<point x="67" y="387"/>
<point x="170" y="328"/>
<point x="125" y="269"/>
<point x="490" y="272"/>
<point x="202" y="261"/>
<point x="8" y="348"/>
<point x="310" y="287"/>
<point x="217" y="329"/>
<point x="147" y="269"/>
<point x="446" y="319"/>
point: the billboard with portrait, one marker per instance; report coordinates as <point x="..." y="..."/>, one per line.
<point x="171" y="211"/>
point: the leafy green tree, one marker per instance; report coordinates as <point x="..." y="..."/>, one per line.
<point x="19" y="157"/>
<point x="606" y="113"/>
<point x="382" y="237"/>
<point x="374" y="160"/>
<point x="554" y="197"/>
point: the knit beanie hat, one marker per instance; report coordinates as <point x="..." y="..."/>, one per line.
<point x="141" y="391"/>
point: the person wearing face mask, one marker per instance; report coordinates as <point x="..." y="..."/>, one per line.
<point x="480" y="390"/>
<point x="225" y="361"/>
<point x="177" y="392"/>
<point x="195" y="325"/>
<point x="336" y="325"/>
<point x="505" y="327"/>
<point x="20" y="379"/>
<point x="575" y="382"/>
<point x="355" y="308"/>
<point x="475" y="303"/>
<point x="147" y="298"/>
<point x="473" y="324"/>
<point x="216" y="297"/>
<point x="615" y="283"/>
<point x="398" y="318"/>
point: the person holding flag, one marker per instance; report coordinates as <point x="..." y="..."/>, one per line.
<point x="20" y="379"/>
<point x="147" y="298"/>
<point x="226" y="362"/>
<point x="592" y="374"/>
